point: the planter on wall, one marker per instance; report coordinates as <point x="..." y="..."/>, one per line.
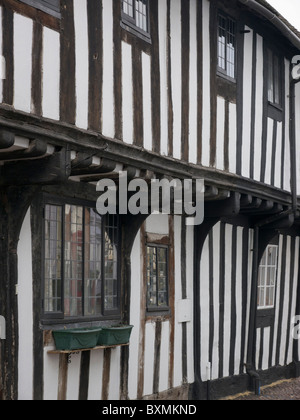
<point x="111" y="336"/>
<point x="76" y="339"/>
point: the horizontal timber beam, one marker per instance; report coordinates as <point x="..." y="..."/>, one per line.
<point x="62" y="135"/>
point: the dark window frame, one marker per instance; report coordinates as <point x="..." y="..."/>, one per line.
<point x="155" y="309"/>
<point x="45" y="6"/>
<point x="277" y="77"/>
<point x="129" y="23"/>
<point x="223" y="72"/>
<point x="60" y="317"/>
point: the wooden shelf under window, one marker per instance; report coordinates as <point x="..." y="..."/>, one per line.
<point x="83" y="350"/>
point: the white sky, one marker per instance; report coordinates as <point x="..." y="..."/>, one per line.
<point x="290" y="9"/>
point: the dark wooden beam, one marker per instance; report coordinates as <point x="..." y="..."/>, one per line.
<point x="7" y="139"/>
<point x="50" y="170"/>
<point x="226" y="208"/>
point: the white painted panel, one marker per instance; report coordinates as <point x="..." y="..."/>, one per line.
<point x="163" y="42"/>
<point x="127" y="105"/>
<point x="147" y="106"/>
<point x="73" y="377"/>
<point x="176" y="75"/>
<point x="95" y="378"/>
<point x="294" y="299"/>
<point x="266" y="350"/>
<point x="239" y="300"/>
<point x="51" y="74"/>
<point x="136" y="280"/>
<point x="227" y="299"/>
<point x="250" y="264"/>
<point x="82" y="62"/>
<point x="206" y="85"/>
<point x="51" y="373"/>
<point x="204" y="309"/>
<point x="190" y="295"/>
<point x="216" y="293"/>
<point x="259" y="99"/>
<point x="149" y="358"/>
<point x="114" y="382"/>
<point x="247" y="94"/>
<point x="287" y="152"/>
<point x="269" y="151"/>
<point x="164" y="357"/>
<point x="232" y="137"/>
<point x="286" y="304"/>
<point x="25" y="299"/>
<point x="108" y="111"/>
<point x="193" y="132"/>
<point x="278" y="157"/>
<point x="278" y="297"/>
<point x="184" y="310"/>
<point x="22" y="62"/>
<point x="158" y="223"/>
<point x="220" y="133"/>
<point x="258" y="341"/>
<point x="178" y="296"/>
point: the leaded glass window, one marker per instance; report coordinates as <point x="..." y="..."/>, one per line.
<point x="81" y="276"/>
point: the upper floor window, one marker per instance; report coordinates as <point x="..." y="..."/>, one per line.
<point x="135" y="13"/>
<point x="52" y="7"/>
<point x="267" y="278"/>
<point x="274" y="78"/>
<point x="81" y="274"/>
<point x="226" y="46"/>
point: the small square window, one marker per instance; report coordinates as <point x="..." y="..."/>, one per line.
<point x="226" y="46"/>
<point x="157" y="278"/>
<point x="135" y="14"/>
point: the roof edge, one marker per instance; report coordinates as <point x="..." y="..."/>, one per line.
<point x="278" y="22"/>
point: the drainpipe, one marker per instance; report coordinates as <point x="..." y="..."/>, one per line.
<point x="251" y="353"/>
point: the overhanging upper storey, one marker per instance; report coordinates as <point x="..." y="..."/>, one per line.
<point x="179" y="87"/>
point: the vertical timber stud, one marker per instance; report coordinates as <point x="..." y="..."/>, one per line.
<point x="130" y="227"/>
<point x="14" y="203"/>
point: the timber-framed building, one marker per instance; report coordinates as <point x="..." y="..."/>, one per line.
<point x="181" y="89"/>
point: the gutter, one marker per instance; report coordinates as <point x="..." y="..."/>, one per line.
<point x="274" y="19"/>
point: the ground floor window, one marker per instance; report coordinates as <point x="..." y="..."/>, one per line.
<point x="267" y="276"/>
<point x="81" y="262"/>
<point x="157" y="278"/>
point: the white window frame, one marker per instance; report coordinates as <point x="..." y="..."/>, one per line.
<point x="267" y="270"/>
